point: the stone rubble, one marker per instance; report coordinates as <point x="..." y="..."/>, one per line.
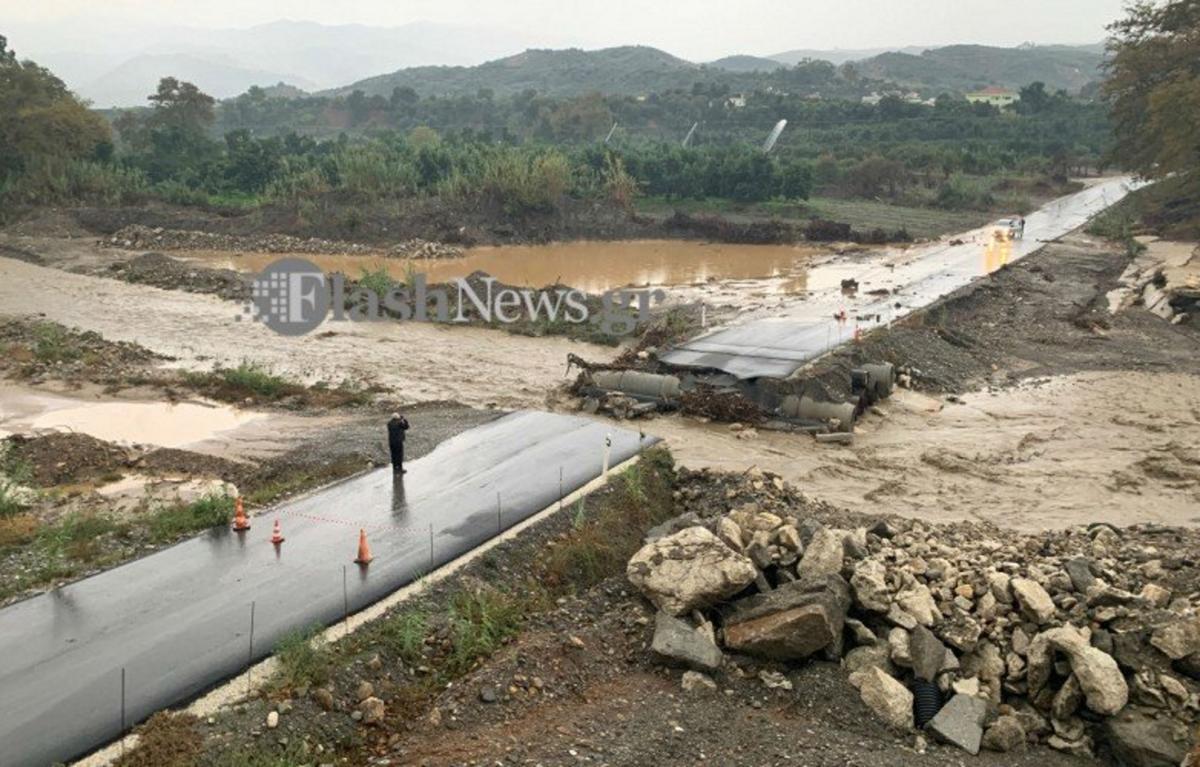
<point x="139" y="237"/>
<point x="1086" y="640"/>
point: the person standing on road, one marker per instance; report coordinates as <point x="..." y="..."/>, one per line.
<point x="1021" y="228"/>
<point x="396" y="427"/>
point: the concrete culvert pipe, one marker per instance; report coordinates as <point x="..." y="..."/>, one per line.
<point x="883" y="378"/>
<point x="808" y="409"/>
<point x="638" y="384"/>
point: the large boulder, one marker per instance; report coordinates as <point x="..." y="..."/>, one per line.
<point x="678" y="641"/>
<point x="793" y="621"/>
<point x="1033" y="600"/>
<point x="1140" y="740"/>
<point x="960" y="722"/>
<point x="1104" y="688"/>
<point x="1006" y="734"/>
<point x="688" y="570"/>
<point x="823" y="555"/>
<point x="889" y="699"/>
<point x="916" y="600"/>
<point x="869" y="581"/>
<point x="927" y="653"/>
<point x="1178" y="639"/>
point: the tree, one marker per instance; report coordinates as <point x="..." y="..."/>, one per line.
<point x="1034" y="99"/>
<point x="1153" y="87"/>
<point x="172" y="142"/>
<point x="40" y="118"/>
<point x="875" y="175"/>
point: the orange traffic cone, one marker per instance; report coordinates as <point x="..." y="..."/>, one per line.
<point x="364" y="551"/>
<point x="277" y="534"/>
<point x="240" y="521"/>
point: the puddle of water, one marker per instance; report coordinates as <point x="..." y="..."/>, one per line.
<point x="593" y="267"/>
<point x="155" y="423"/>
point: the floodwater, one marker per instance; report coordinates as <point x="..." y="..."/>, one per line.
<point x="592" y="267"/>
<point x="26" y="411"/>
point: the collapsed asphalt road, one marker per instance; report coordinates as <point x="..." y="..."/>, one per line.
<point x="887" y="290"/>
<point x="162" y="629"/>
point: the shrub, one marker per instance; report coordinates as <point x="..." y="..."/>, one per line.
<point x="17" y="529"/>
<point x="255" y="378"/>
<point x="172" y="522"/>
<point x="480" y="621"/>
<point x="53" y="343"/>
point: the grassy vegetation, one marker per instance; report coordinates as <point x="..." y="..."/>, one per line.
<point x="15" y="474"/>
<point x="304" y="659"/>
<point x="79" y="542"/>
<point x="378" y="281"/>
<point x="256" y="382"/>
<point x="274" y="488"/>
<point x="53" y="343"/>
<point x="480" y="622"/>
<point x="920" y="221"/>
<point x="174" y="522"/>
<point x="255" y="379"/>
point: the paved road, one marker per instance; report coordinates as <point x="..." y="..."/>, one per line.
<point x="778" y="345"/>
<point x="178" y="621"/>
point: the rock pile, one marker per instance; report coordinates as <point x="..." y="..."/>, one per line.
<point x="1086" y="640"/>
<point x="157" y="238"/>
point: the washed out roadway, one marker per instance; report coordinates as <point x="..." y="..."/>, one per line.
<point x="178" y="621"/>
<point x="777" y="346"/>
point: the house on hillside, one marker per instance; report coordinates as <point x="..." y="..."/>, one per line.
<point x="996" y="96"/>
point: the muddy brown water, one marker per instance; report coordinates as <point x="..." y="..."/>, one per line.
<point x="593" y="267"/>
<point x="25" y="411"/>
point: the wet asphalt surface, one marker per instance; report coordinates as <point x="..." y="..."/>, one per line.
<point x="778" y="345"/>
<point x="166" y="627"/>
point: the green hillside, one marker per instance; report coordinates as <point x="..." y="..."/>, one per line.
<point x="968" y="67"/>
<point x="638" y="70"/>
<point x="623" y="70"/>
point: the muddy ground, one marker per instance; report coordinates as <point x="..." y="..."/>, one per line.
<point x="1027" y="392"/>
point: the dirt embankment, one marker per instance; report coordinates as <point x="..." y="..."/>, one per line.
<point x="421" y="227"/>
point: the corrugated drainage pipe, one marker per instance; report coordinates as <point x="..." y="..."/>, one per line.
<point x="927" y="701"/>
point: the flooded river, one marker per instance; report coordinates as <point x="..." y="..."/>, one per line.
<point x="593" y="267"/>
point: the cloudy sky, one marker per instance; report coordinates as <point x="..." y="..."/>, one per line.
<point x="694" y="29"/>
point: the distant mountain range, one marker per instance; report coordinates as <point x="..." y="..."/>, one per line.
<point x="122" y="67"/>
<point x="636" y="70"/>
<point x="122" y="70"/>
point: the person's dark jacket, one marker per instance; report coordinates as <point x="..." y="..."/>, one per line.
<point x="396" y="428"/>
